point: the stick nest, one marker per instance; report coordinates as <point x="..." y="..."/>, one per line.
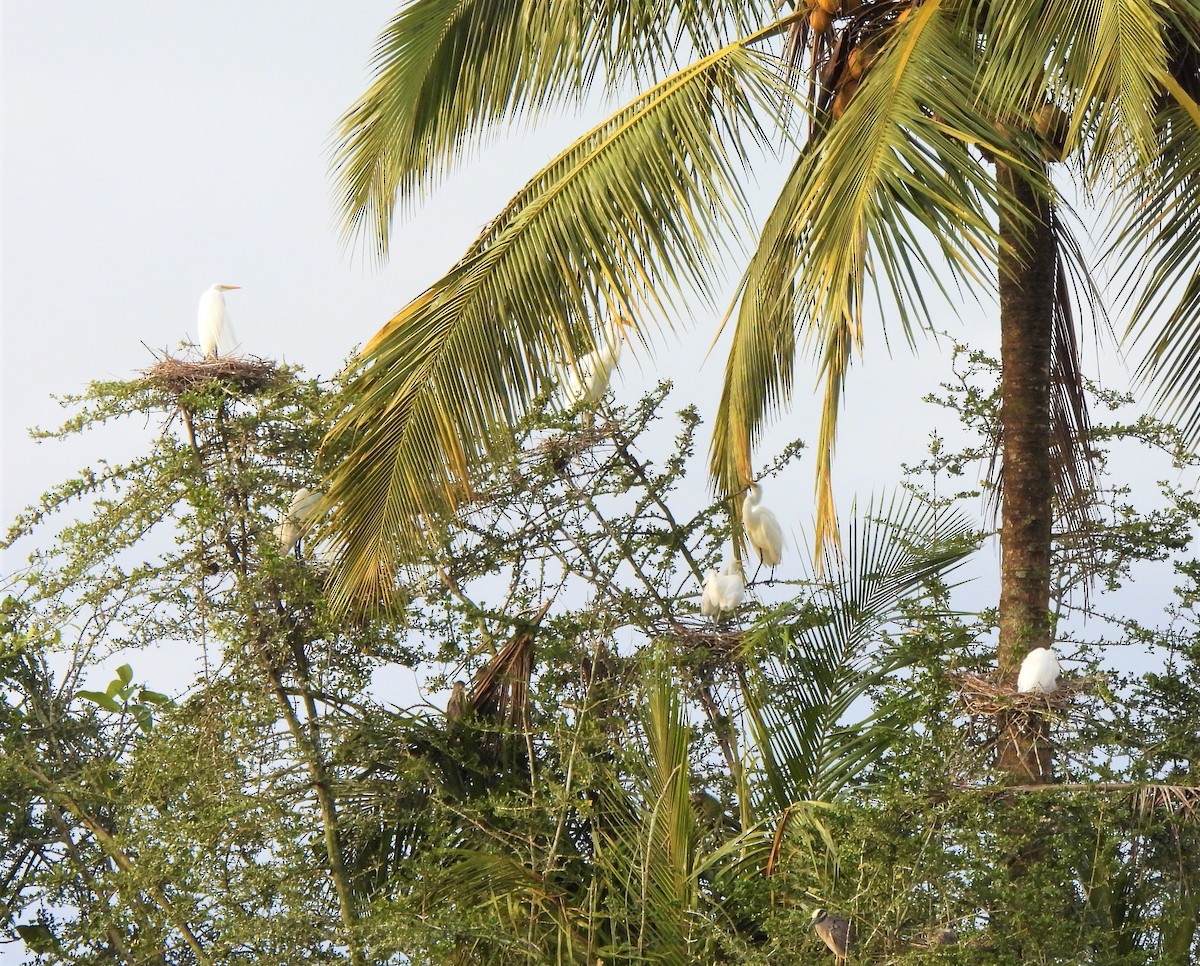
<point x="247" y="375"/>
<point x="984" y="696"/>
<point x="562" y="448"/>
<point x="707" y="641"/>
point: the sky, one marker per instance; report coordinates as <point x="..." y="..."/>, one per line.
<point x="151" y="149"/>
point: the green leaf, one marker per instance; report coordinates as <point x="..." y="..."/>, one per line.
<point x="144" y="718"/>
<point x="125" y="673"/>
<point x="101" y="698"/>
<point x="39" y="938"/>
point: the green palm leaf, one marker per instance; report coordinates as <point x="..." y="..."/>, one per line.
<point x="614" y="224"/>
<point x="809" y="666"/>
<point x="446" y="71"/>
<point x="863" y="202"/>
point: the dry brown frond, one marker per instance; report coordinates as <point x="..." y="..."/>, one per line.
<point x="499" y="691"/>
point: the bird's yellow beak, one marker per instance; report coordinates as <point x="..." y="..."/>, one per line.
<point x="623" y="324"/>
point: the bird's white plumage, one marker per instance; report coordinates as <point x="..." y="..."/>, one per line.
<point x="588" y="379"/>
<point x="212" y="318"/>
<point x="298" y="519"/>
<point x="730" y="589"/>
<point x="1039" y="672"/>
<point x="762" y="527"/>
<point x="708" y="602"/>
<point x="724" y="591"/>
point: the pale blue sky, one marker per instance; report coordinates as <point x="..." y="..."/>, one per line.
<point x="152" y="149"/>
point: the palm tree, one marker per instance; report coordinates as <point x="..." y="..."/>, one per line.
<point x="921" y="136"/>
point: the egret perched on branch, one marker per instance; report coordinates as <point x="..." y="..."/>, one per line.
<point x="1039" y="672"/>
<point x="298" y="519"/>
<point x="837" y="933"/>
<point x="762" y="528"/>
<point x="724" y="591"/>
<point x="216" y="333"/>
<point x="587" y="380"/>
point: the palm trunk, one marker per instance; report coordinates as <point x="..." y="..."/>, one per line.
<point x="1027" y="297"/>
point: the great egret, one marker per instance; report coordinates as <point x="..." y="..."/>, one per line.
<point x="298" y="519"/>
<point x="762" y="528"/>
<point x="588" y="379"/>
<point x="708" y="603"/>
<point x="837" y="933"/>
<point x="216" y="333"/>
<point x="1039" y="672"/>
<point x="724" y="591"/>
<point x="459" y="705"/>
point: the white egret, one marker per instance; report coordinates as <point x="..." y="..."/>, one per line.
<point x="588" y="379"/>
<point x="762" y="528"/>
<point x="1039" y="672"/>
<point x="216" y="333"/>
<point x="724" y="591"/>
<point x="708" y="603"/>
<point x="298" y="519"/>
<point x="837" y="933"/>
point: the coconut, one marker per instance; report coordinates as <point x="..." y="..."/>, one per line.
<point x="842" y="100"/>
<point x="819" y="20"/>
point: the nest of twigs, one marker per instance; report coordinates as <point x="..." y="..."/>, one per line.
<point x="562" y="448"/>
<point x="708" y="643"/>
<point x="983" y="696"/>
<point x="246" y="374"/>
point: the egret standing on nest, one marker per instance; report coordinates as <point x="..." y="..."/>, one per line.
<point x="298" y="519"/>
<point x="587" y="380"/>
<point x="1039" y="672"/>
<point x="762" y="529"/>
<point x="724" y="591"/>
<point x="216" y="333"/>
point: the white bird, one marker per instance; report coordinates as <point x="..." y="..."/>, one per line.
<point x="708" y="603"/>
<point x="1039" y="672"/>
<point x="588" y="379"/>
<point x="298" y="519"/>
<point x="216" y="332"/>
<point x="762" y="528"/>
<point x="724" y="591"/>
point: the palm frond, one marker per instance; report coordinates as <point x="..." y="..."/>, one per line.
<point x="808" y="668"/>
<point x="1156" y="242"/>
<point x="446" y="71"/>
<point x="617" y="222"/>
<point x="891" y="191"/>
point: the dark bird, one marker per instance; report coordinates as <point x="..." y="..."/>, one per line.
<point x="459" y="705"/>
<point x="943" y="937"/>
<point x="837" y="933"/>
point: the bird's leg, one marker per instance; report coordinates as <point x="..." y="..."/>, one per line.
<point x="758" y="571"/>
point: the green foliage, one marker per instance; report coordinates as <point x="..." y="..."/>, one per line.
<point x="634" y="784"/>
